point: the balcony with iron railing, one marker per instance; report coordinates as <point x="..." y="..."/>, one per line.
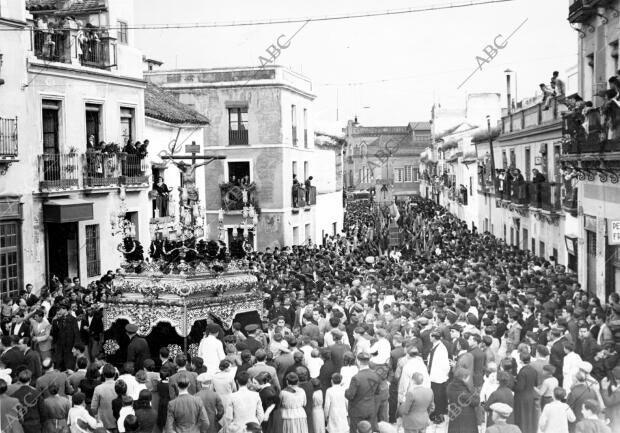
<point x="67" y="46"/>
<point x="58" y="171"/>
<point x="588" y="134"/>
<point x="303" y="197"/>
<point x="581" y="11"/>
<point x="101" y="170"/>
<point x="545" y="196"/>
<point x="238" y="137"/>
<point x="134" y="170"/>
<point x="8" y="138"/>
<point x="99" y="53"/>
<point x="235" y="198"/>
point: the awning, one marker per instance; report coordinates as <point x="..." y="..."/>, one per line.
<point x="67" y="211"/>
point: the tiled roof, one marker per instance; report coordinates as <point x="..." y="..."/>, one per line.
<point x="75" y="6"/>
<point x="162" y="105"/>
<point x="419" y="125"/>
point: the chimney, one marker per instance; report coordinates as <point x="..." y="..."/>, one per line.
<point x="508" y="95"/>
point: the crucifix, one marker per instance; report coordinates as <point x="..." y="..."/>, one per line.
<point x="188" y="171"/>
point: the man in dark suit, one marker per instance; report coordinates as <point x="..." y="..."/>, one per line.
<point x="51" y="375"/>
<point x="32" y="358"/>
<point x="211" y="401"/>
<point x="480" y="359"/>
<point x="30" y="401"/>
<point x="182" y="372"/>
<point x="186" y="413"/>
<point x="20" y="327"/>
<point x="11" y="357"/>
<point x="10" y="413"/>
<point x="251" y="343"/>
<point x="362" y="394"/>
<point x="138" y="349"/>
<point x="556" y="355"/>
<point x="65" y="333"/>
<point x="338" y="349"/>
<point x="586" y="346"/>
<point x="94" y="320"/>
<point x="82" y="323"/>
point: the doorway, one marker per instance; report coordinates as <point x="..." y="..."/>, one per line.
<point x="62" y="250"/>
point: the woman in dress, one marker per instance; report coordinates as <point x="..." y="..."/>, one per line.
<point x="348" y="369"/>
<point x="293" y="399"/>
<point x="336" y="407"/>
<point x="163" y="194"/>
<point x="318" y="416"/>
<point x="88" y="384"/>
<point x="272" y="420"/>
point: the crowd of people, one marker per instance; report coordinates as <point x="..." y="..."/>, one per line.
<point x="475" y="336"/>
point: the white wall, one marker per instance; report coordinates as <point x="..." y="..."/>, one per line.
<point x="329" y="210"/>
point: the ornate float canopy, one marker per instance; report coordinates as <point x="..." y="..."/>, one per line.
<point x="149" y="298"/>
<point x="186" y="279"/>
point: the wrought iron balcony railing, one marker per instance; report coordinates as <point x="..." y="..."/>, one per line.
<point x="58" y="171"/>
<point x="101" y="170"/>
<point x="133" y="170"/>
<point x="238" y="137"/>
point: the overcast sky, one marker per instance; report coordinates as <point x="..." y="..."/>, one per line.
<point x="397" y="66"/>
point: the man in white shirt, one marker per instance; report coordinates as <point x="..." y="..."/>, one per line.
<point x="244" y="406"/>
<point x="362" y="344"/>
<point x="133" y="387"/>
<point x="570" y="366"/>
<point x="381" y="350"/>
<point x="211" y="350"/>
<point x="328" y="338"/>
<point x="439" y="372"/>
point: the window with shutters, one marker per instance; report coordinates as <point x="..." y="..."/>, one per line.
<point x="123" y="33"/>
<point x="10" y="257"/>
<point x="399" y="174"/>
<point x="93" y="263"/>
<point x="408" y="173"/>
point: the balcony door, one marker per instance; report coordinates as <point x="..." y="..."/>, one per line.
<point x="93" y="120"/>
<point x="51" y="127"/>
<point x="62" y="250"/>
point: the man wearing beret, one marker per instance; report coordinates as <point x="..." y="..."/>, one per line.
<point x="501" y="412"/>
<point x="138" y="349"/>
<point x="362" y="394"/>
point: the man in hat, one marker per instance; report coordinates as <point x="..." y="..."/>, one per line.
<point x="65" y="333"/>
<point x="362" y="394"/>
<point x="138" y="349"/>
<point x="501" y="412"/>
<point x="211" y="350"/>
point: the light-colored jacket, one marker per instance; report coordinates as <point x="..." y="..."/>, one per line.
<point x="555" y="418"/>
<point x="245" y="406"/>
<point x="416" y="407"/>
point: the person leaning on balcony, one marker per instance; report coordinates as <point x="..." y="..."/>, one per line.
<point x="295" y="190"/>
<point x="308" y="184"/>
